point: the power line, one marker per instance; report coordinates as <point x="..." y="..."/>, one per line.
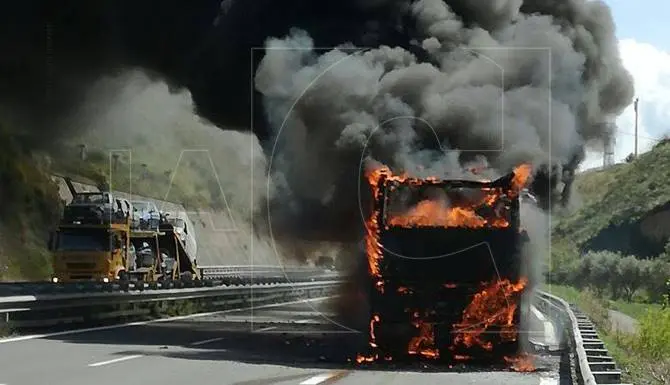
<point x="640" y="136"/>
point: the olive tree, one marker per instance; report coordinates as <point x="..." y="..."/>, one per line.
<point x="581" y="271"/>
<point x="632" y="276"/>
<point x="602" y="270"/>
<point x="656" y="274"/>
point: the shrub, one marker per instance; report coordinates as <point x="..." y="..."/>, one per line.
<point x="596" y="308"/>
<point x="656" y="274"/>
<point x="631" y="275"/>
<point x="654" y="334"/>
<point x="603" y="273"/>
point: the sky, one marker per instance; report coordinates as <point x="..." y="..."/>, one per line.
<point x="644" y="43"/>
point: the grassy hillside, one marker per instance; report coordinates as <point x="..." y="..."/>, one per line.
<point x="619" y="195"/>
<point x="29" y="207"/>
<point x="146" y="177"/>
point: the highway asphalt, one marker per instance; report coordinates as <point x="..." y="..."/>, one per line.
<point x="295" y="344"/>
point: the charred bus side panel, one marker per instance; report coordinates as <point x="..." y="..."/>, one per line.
<point x="434" y="264"/>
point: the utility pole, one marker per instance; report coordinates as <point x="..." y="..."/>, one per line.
<point x="608" y="150"/>
<point x="637" y="100"/>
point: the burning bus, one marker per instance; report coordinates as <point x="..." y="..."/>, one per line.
<point x="445" y="267"/>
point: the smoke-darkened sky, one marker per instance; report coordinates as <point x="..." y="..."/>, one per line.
<point x="52" y="50"/>
<point x="508" y="80"/>
<point x="432" y="70"/>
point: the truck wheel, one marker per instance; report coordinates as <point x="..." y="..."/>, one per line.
<point x="123" y="276"/>
<point x="187" y="276"/>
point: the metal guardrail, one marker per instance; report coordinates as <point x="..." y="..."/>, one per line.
<point x="35" y="311"/>
<point x="240" y="268"/>
<point x="258" y="270"/>
<point x="213" y="276"/>
<point x="592" y="363"/>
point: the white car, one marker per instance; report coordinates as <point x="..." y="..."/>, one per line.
<point x="184" y="230"/>
<point x="146" y="215"/>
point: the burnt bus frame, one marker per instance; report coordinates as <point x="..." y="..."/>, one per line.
<point x="387" y="340"/>
<point x="503" y="183"/>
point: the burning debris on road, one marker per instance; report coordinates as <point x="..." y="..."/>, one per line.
<point x="445" y="272"/>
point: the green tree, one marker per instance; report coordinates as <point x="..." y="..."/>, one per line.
<point x="656" y="274"/>
<point x="600" y="275"/>
<point x="665" y="255"/>
<point x="614" y="275"/>
<point x="581" y="272"/>
<point x="631" y="275"/>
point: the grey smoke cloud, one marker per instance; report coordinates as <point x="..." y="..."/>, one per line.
<point x="506" y="82"/>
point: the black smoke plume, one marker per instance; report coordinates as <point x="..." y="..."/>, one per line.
<point x="508" y="82"/>
<point x="427" y="60"/>
<point x="53" y="50"/>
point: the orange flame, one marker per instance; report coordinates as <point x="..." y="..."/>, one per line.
<point x="361" y="358"/>
<point x="521" y="363"/>
<point x="489" y="307"/>
<point x="404" y="290"/>
<point x="375" y="319"/>
<point x="424" y="343"/>
<point x="373" y="247"/>
<point x="432" y="213"/>
<point x="493" y="306"/>
<point x="429" y="212"/>
<point x="521" y="178"/>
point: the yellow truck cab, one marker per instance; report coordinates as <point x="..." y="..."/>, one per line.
<point x="90" y="252"/>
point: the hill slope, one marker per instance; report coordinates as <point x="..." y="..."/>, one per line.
<point x="28" y="207"/>
<point x="615" y="204"/>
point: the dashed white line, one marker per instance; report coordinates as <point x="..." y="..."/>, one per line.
<point x="198" y="343"/>
<point x="548" y="381"/>
<point x="319" y="379"/>
<point x="126" y="358"/>
<point x="303" y="321"/>
<point x="266" y="329"/>
<point x="168" y="319"/>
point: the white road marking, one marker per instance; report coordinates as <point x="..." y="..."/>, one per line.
<point x="198" y="343"/>
<point x="303" y="321"/>
<point x="548" y="381"/>
<point x="266" y="329"/>
<point x="141" y="323"/>
<point x="126" y="358"/>
<point x="319" y="379"/>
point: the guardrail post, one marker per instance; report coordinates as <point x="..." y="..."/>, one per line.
<point x="4" y="325"/>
